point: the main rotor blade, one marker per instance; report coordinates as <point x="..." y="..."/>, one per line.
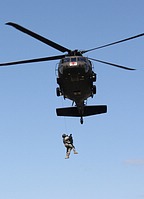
<point x="33" y="60"/>
<point x="39" y="37"/>
<point x="113" y="43"/>
<point x="116" y="65"/>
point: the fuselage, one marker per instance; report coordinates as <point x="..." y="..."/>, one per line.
<point x="75" y="79"/>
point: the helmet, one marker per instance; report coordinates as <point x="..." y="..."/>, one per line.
<point x="64" y="135"/>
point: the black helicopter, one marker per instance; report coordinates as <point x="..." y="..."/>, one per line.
<point x="75" y="75"/>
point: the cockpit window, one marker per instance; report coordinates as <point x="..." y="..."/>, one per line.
<point x="65" y="60"/>
<point x="73" y="59"/>
<point x="81" y="59"/>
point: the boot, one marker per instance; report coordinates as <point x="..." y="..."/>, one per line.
<point x="67" y="157"/>
<point x="75" y="152"/>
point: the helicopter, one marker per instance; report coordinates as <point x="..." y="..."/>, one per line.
<point x="75" y="74"/>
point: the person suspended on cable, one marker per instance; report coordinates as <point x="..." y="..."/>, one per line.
<point x="68" y="142"/>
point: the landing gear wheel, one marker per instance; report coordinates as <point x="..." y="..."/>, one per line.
<point x="81" y="120"/>
<point x="94" y="89"/>
<point x="58" y="92"/>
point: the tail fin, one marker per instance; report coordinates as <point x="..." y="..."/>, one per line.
<point x="88" y="110"/>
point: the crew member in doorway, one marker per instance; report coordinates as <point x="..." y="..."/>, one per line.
<point x="68" y="142"/>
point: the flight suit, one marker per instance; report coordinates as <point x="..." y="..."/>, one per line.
<point x="68" y="142"/>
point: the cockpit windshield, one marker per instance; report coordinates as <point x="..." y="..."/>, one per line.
<point x="65" y="60"/>
<point x="73" y="62"/>
<point x="82" y="59"/>
<point x="74" y="59"/>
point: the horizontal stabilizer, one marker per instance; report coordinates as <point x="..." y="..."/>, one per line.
<point x="88" y="110"/>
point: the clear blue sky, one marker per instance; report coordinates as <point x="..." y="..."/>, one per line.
<point x="110" y="163"/>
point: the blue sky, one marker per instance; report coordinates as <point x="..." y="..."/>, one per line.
<point x="110" y="163"/>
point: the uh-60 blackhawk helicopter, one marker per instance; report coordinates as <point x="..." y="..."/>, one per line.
<point x="75" y="75"/>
